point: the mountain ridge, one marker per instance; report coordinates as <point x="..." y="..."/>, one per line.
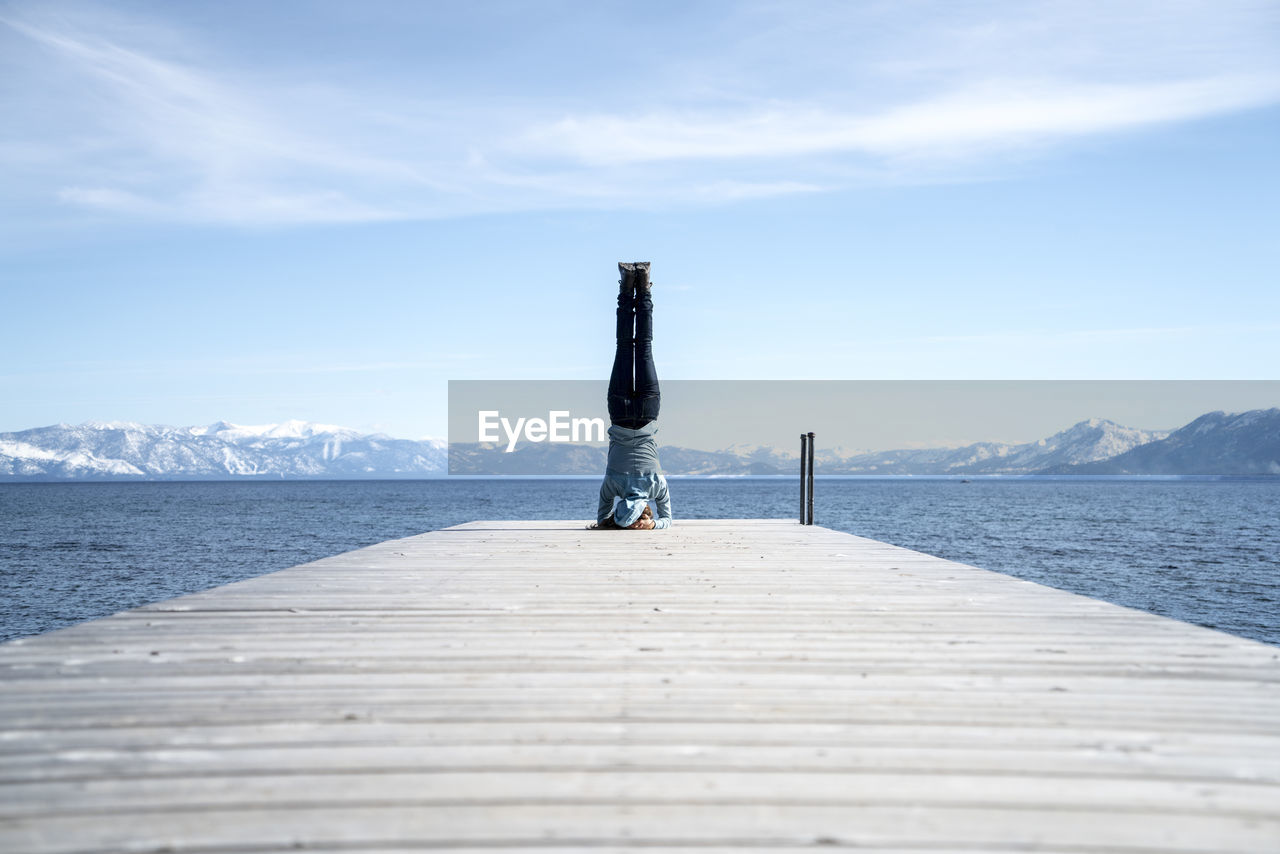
<point x="1085" y="441"/>
<point x="222" y="450"/>
<point x="1241" y="443"/>
<point x="1215" y="443"/>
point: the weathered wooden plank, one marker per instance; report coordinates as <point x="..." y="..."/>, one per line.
<point x="596" y="779"/>
<point x="639" y="824"/>
<point x="1160" y="763"/>
<point x="723" y="685"/>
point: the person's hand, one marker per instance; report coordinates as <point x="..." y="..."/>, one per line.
<point x="645" y="522"/>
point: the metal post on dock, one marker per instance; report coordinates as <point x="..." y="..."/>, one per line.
<point x="806" y="478"/>
<point x="804" y="482"/>
<point x="810" y="487"/>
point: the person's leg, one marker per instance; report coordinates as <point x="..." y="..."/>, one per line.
<point x="622" y="377"/>
<point x="647" y="391"/>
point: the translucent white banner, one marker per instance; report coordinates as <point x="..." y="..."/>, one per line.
<point x="885" y="428"/>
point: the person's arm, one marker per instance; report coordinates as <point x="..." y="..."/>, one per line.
<point x="607" y="491"/>
<point x="663" y="502"/>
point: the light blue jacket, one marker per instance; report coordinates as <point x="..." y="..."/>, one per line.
<point x="633" y="476"/>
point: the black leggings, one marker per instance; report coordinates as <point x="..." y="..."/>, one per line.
<point x="634" y="396"/>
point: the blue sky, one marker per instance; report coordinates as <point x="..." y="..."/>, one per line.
<point x="259" y="211"/>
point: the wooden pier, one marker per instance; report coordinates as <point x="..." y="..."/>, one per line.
<point x="720" y="686"/>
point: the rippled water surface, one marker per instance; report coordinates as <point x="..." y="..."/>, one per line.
<point x="1203" y="551"/>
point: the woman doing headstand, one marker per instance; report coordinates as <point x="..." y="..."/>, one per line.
<point x="632" y="475"/>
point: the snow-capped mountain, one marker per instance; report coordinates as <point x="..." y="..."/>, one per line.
<point x="1095" y="439"/>
<point x="294" y="449"/>
<point x="1218" y="443"/>
<point x="284" y="430"/>
<point x="1244" y="443"/>
<point x="1087" y="441"/>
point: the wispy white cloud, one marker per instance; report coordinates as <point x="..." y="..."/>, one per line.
<point x="178" y="141"/>
<point x="985" y="117"/>
<point x="108" y="198"/>
<point x="140" y="119"/>
<point x="1130" y="335"/>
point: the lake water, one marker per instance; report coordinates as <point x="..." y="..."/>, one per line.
<point x="1207" y="552"/>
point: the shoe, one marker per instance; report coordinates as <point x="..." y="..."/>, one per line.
<point x="640" y="275"/>
<point x="626" y="274"/>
